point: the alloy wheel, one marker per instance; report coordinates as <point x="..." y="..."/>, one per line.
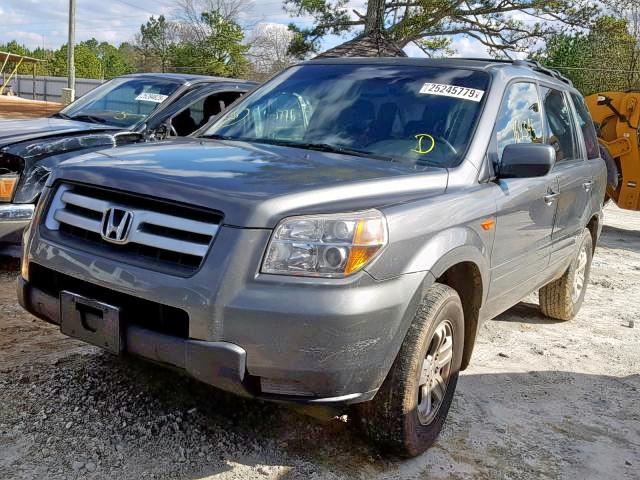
<point x="580" y="274"/>
<point x="435" y="373"/>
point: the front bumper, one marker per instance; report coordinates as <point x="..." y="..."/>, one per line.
<point x="313" y="341"/>
<point x="14" y="218"/>
<point x="220" y="364"/>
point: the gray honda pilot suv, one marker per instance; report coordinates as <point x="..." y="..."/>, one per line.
<point x="336" y="238"/>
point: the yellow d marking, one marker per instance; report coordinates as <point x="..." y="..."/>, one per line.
<point x="421" y="150"/>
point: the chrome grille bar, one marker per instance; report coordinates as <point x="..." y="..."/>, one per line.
<point x="150" y="229"/>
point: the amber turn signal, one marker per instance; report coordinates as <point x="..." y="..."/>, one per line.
<point x="370" y="237"/>
<point x="7" y="186"/>
<point x="488" y="224"/>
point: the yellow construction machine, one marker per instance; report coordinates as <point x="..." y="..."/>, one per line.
<point x="617" y="119"/>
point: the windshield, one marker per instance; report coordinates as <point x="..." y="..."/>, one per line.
<point x="121" y="102"/>
<point x="420" y="116"/>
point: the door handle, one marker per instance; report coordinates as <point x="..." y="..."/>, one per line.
<point x="550" y="197"/>
<point x="587" y="185"/>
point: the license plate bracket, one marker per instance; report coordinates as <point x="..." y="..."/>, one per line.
<point x="94" y="322"/>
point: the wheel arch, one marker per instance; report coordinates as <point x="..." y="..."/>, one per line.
<point x="595" y="228"/>
<point x="466" y="271"/>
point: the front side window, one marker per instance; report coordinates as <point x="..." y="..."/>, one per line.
<point x="587" y="127"/>
<point x="420" y="116"/>
<point x="121" y="102"/>
<point x="520" y="118"/>
<point x="560" y="126"/>
<point x="201" y="111"/>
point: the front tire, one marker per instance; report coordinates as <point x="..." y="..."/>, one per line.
<point x="408" y="412"/>
<point x="563" y="298"/>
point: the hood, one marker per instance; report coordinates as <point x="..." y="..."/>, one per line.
<point x="34" y="158"/>
<point x="13" y="131"/>
<point x="253" y="185"/>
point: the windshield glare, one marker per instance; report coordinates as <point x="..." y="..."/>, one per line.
<point x="421" y="116"/>
<point x="122" y="102"/>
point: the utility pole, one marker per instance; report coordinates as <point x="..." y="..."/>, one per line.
<point x="71" y="65"/>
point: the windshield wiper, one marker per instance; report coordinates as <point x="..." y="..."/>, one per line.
<point x="326" y="147"/>
<point x="61" y="115"/>
<point x="215" y="136"/>
<point x="88" y="118"/>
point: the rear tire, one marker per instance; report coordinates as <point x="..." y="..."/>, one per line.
<point x="563" y="298"/>
<point x="612" y="168"/>
<point x="408" y="412"/>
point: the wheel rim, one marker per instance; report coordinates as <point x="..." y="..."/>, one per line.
<point x="580" y="274"/>
<point x="435" y="373"/>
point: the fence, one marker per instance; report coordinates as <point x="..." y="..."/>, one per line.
<point x="49" y="88"/>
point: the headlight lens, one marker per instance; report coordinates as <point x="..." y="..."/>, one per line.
<point x="325" y="245"/>
<point x="7" y="186"/>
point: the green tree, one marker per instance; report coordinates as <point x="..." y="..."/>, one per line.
<point x="221" y="52"/>
<point x="26" y="68"/>
<point x="604" y="58"/>
<point x="156" y="41"/>
<point x="491" y="22"/>
<point x="93" y="59"/>
<point x="87" y="63"/>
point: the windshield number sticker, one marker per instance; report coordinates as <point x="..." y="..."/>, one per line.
<point x="151" y="97"/>
<point x="463" y="93"/>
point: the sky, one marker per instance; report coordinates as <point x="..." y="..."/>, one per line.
<point x="44" y="22"/>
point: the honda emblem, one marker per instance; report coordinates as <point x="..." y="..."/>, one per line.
<point x="116" y="225"/>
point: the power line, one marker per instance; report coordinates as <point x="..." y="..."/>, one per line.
<point x="589" y="69"/>
<point x="93" y="20"/>
<point x="124" y="2"/>
<point x="142" y="9"/>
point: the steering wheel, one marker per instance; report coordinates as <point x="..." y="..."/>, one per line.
<point x="445" y="142"/>
<point x="172" y="131"/>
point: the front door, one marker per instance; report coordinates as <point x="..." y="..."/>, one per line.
<point x="526" y="206"/>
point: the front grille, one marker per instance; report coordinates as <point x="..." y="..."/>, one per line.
<point x="157" y="233"/>
<point x="133" y="311"/>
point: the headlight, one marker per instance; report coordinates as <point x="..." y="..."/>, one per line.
<point x="325" y="245"/>
<point x="7" y="186"/>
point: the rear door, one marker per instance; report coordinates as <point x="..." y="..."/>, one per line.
<point x="596" y="164"/>
<point x="572" y="171"/>
<point x="525" y="211"/>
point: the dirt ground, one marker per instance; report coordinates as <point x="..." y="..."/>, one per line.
<point x="542" y="400"/>
<point x="16" y="107"/>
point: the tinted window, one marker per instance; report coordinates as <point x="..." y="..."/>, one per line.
<point x="586" y="125"/>
<point x="520" y="119"/>
<point x="420" y="116"/>
<point x="200" y="111"/>
<point x="122" y="102"/>
<point x="560" y="126"/>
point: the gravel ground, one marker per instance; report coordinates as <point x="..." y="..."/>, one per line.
<point x="542" y="399"/>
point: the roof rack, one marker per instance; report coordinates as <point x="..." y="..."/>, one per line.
<point x="533" y="64"/>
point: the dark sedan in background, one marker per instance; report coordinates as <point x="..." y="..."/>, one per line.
<point x="125" y="110"/>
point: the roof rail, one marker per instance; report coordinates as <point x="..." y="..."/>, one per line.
<point x="535" y="65"/>
<point x="488" y="60"/>
<point x="532" y="64"/>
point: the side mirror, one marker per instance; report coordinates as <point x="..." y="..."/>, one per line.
<point x="159" y="132"/>
<point x="526" y="160"/>
<point x="125" y="138"/>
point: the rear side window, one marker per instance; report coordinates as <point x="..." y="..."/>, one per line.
<point x="560" y="125"/>
<point x="586" y="125"/>
<point x="519" y="119"/>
